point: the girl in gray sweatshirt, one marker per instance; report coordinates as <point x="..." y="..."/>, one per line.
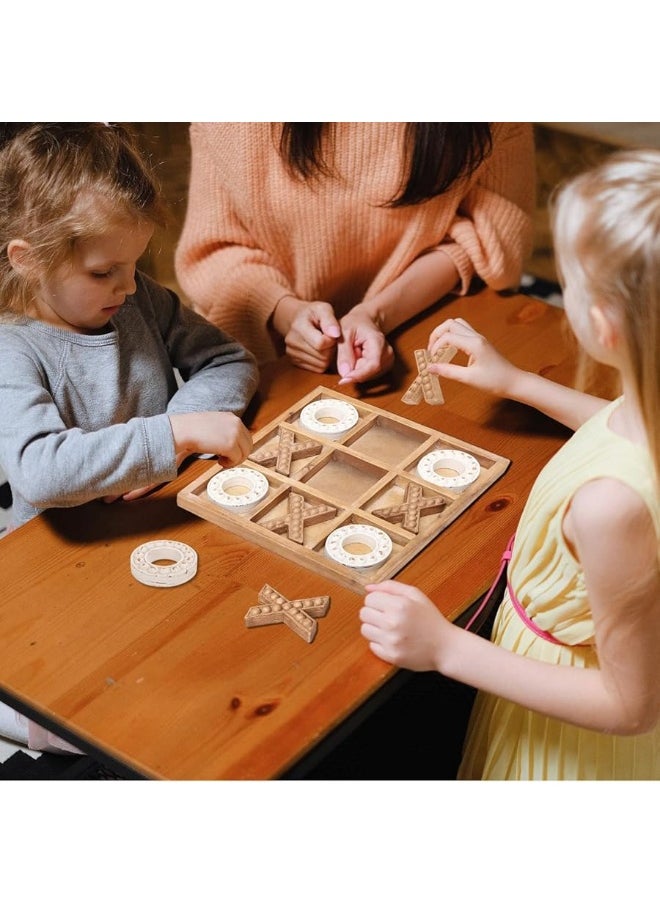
<point x="91" y="407"/>
<point x="90" y="403"/>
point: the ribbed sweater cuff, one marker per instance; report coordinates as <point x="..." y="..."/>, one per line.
<point x="159" y="448"/>
<point x="462" y="263"/>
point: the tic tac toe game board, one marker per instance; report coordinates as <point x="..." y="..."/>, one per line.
<point x="345" y="489"/>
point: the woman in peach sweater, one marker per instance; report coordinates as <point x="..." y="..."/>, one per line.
<point x="318" y="239"/>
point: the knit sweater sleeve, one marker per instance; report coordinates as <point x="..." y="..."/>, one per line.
<point x="251" y="236"/>
<point x="491" y="234"/>
<point x="218" y="373"/>
<point x="87" y="416"/>
<point x="52" y="463"/>
<point x="219" y="265"/>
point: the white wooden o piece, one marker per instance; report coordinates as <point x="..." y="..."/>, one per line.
<point x="251" y="485"/>
<point x="182" y="569"/>
<point x="378" y="542"/>
<point x="465" y="466"/>
<point x="329" y="417"/>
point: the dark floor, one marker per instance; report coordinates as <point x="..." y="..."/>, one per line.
<point x="50" y="767"/>
<point x="417" y="735"/>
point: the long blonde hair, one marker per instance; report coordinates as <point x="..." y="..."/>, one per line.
<point x="606" y="228"/>
<point x="60" y="182"/>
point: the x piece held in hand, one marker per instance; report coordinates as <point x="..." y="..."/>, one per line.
<point x="426" y="385"/>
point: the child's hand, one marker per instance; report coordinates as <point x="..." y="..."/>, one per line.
<point x="403" y="626"/>
<point x="218" y="433"/>
<point x="486" y="368"/>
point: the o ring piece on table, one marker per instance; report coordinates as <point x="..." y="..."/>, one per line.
<point x="358" y="545"/>
<point x="145" y="570"/>
<point x="461" y="467"/>
<point x="331" y="418"/>
<point x="237" y="489"/>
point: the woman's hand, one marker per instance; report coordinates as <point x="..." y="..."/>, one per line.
<point x="403" y="626"/>
<point x="363" y="352"/>
<point x="310" y="331"/>
<point x="486" y="367"/>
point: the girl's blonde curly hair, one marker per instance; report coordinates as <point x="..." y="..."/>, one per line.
<point x="60" y="182"/>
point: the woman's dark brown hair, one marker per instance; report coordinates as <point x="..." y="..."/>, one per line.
<point x="435" y="155"/>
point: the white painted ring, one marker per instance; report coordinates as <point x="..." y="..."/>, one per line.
<point x="466" y="466"/>
<point x="379" y="543"/>
<point x="329" y="417"/>
<point x="183" y="569"/>
<point x="252" y="484"/>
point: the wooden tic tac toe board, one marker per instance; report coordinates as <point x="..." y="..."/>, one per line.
<point x="367" y="477"/>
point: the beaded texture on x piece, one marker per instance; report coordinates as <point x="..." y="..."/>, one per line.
<point x="299" y="615"/>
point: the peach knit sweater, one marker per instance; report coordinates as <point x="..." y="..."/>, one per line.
<point x="253" y="233"/>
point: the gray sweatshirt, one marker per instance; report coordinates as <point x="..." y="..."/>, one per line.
<point x="85" y="416"/>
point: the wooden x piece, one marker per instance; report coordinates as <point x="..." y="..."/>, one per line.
<point x="426" y="385"/>
<point x="299" y="615"/>
<point x="287" y="451"/>
<point x="299" y="514"/>
<point x="414" y="505"/>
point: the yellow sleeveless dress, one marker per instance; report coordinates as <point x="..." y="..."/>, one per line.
<point x="507" y="741"/>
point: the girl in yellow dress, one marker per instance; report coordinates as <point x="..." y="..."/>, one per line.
<point x="569" y="685"/>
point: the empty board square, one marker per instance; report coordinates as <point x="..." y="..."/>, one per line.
<point x="344" y="478"/>
<point x="386" y="442"/>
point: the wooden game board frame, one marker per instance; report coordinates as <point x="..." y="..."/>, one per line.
<point x="367" y="469"/>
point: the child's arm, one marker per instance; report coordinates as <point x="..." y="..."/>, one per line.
<point x="615" y="541"/>
<point x="107" y="440"/>
<point x="219" y="374"/>
<point x="219" y="433"/>
<point x="487" y="369"/>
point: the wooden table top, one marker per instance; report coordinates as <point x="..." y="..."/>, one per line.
<point x="168" y="680"/>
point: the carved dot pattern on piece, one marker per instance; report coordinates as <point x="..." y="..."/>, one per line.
<point x="414" y="505"/>
<point x="300" y="513"/>
<point x="339" y="543"/>
<point x="430" y="383"/>
<point x="464" y="468"/>
<point x="299" y="615"/>
<point x="425" y="385"/>
<point x="146" y="570"/>
<point x="253" y="482"/>
<point x="331" y="418"/>
<point x="287" y="451"/>
<point x="296" y="530"/>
